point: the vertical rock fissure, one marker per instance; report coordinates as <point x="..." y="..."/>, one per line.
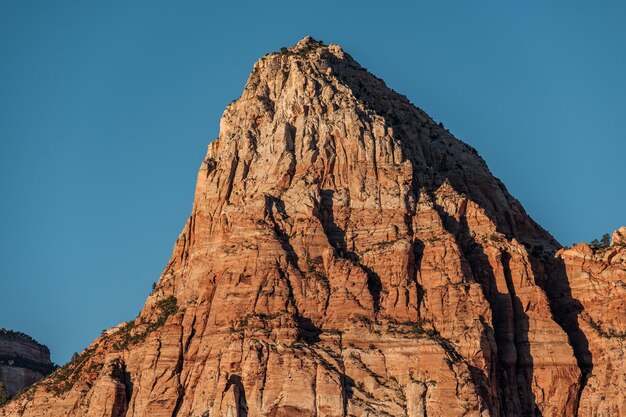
<point x="566" y="309"/>
<point x="314" y="390"/>
<point x="264" y="383"/>
<point x="524" y="371"/>
<point x="483" y="274"/>
<point x="191" y="334"/>
<point x="344" y="391"/>
<point x="128" y="386"/>
<point x="231" y="175"/>
<point x="239" y="393"/>
<point x="178" y="369"/>
<point x="336" y="236"/>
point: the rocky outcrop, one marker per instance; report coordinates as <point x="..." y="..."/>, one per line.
<point x="347" y="256"/>
<point x="23" y="361"/>
<point x="597" y="285"/>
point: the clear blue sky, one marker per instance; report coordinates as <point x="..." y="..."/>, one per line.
<point x="106" y="109"/>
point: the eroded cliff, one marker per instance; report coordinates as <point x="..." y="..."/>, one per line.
<point x="347" y="256"/>
<point x="23" y="361"/>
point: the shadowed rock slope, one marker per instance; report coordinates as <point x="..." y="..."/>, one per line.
<point x="347" y="256"/>
<point x="23" y="361"/>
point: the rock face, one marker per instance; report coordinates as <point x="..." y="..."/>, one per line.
<point x="347" y="256"/>
<point x="23" y="361"/>
<point x="597" y="283"/>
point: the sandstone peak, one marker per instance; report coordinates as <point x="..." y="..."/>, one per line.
<point x="346" y="255"/>
<point x="308" y="41"/>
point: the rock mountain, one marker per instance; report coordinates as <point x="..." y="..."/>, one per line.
<point x="23" y="361"/>
<point x="347" y="256"/>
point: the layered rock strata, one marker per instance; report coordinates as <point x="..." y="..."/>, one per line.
<point x="347" y="256"/>
<point x="23" y="361"/>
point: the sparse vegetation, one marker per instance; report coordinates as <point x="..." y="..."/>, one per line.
<point x="211" y="163"/>
<point x="168" y="306"/>
<point x="130" y="334"/>
<point x="420" y="328"/>
<point x="389" y="243"/>
<point x="252" y="321"/>
<point x="609" y="334"/>
<point x="538" y="251"/>
<point x="603" y="243"/>
<point x="64" y="378"/>
<point x="83" y="363"/>
<point x="303" y="51"/>
<point x="4" y="396"/>
<point x="495" y="238"/>
<point x="13" y="333"/>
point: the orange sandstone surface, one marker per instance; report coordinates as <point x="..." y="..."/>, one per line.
<point x="347" y="256"/>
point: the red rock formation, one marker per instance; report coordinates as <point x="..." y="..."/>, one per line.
<point x="347" y="256"/>
<point x="597" y="285"/>
<point x="23" y="361"/>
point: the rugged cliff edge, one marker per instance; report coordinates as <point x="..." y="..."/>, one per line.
<point x="23" y="361"/>
<point x="347" y="256"/>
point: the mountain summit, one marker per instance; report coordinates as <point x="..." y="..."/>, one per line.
<point x="347" y="256"/>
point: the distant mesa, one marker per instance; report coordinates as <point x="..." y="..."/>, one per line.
<point x="23" y="361"/>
